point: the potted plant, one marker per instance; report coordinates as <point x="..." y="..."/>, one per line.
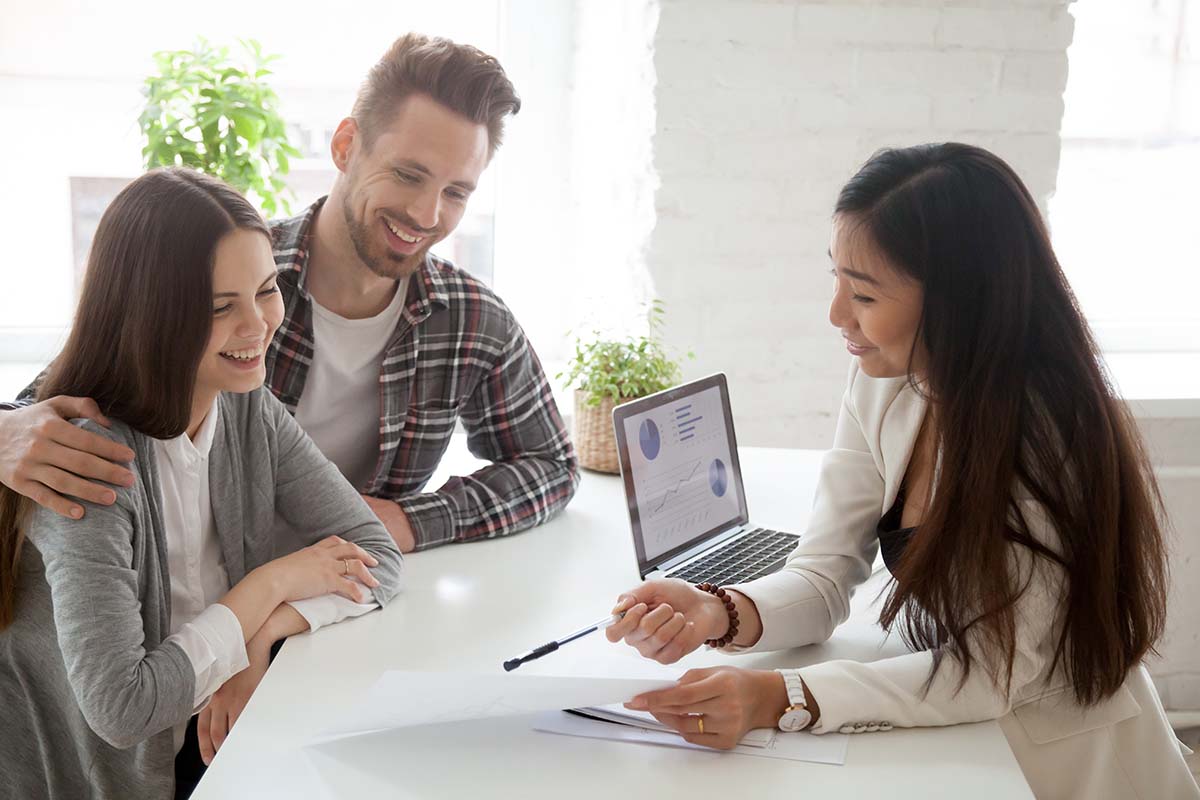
<point x="607" y="372"/>
<point x="213" y="111"/>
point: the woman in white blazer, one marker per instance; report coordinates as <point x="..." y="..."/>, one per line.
<point x="979" y="445"/>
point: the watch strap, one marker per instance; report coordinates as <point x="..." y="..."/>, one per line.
<point x="794" y="686"/>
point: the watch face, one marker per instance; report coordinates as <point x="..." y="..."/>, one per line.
<point x="795" y="719"/>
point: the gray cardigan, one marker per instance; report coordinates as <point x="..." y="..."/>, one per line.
<point x="89" y="693"/>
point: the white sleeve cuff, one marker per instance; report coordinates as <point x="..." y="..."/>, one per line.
<point x="216" y="646"/>
<point x="330" y="608"/>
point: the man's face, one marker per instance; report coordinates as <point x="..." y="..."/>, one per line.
<point x="409" y="189"/>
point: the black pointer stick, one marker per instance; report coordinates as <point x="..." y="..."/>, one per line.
<point x="550" y="647"/>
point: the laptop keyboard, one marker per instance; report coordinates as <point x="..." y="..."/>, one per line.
<point x="758" y="553"/>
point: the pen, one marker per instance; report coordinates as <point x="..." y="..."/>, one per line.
<point x="550" y="647"/>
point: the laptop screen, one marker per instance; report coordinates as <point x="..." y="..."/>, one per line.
<point x="679" y="463"/>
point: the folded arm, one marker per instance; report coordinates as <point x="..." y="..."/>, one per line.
<point x="316" y="501"/>
<point x="512" y="421"/>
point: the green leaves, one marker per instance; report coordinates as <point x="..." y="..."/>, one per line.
<point x="632" y="367"/>
<point x="211" y="110"/>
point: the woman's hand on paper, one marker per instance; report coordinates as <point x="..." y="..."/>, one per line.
<point x="667" y="619"/>
<point x="726" y="702"/>
<point x="326" y="567"/>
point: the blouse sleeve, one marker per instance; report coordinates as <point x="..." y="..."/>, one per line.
<point x="810" y="596"/>
<point x="899" y="691"/>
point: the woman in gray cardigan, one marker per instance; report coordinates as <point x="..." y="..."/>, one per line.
<point x="115" y="628"/>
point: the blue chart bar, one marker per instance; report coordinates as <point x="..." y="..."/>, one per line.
<point x="683" y="408"/>
<point x="689" y="436"/>
<point x="687" y="430"/>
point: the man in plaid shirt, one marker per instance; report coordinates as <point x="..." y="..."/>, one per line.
<point x="408" y="344"/>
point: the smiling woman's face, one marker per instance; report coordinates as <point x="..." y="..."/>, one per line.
<point x="876" y="307"/>
<point x="247" y="309"/>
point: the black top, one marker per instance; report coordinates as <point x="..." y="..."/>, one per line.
<point x="892" y="538"/>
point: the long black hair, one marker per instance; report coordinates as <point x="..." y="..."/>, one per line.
<point x="1021" y="406"/>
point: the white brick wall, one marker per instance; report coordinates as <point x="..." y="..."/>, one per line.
<point x="764" y="110"/>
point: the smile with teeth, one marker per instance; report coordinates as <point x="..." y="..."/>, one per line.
<point x="244" y="355"/>
<point x="401" y="234"/>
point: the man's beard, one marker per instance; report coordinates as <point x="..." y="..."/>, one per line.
<point x="389" y="265"/>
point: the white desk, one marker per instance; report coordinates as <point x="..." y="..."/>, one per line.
<point x="469" y="607"/>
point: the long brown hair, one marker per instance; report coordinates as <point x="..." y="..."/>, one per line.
<point x="143" y="320"/>
<point x="1021" y="407"/>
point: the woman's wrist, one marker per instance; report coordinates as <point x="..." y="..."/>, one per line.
<point x="749" y="623"/>
<point x="772" y="699"/>
<point x="272" y="580"/>
<point x="717" y="616"/>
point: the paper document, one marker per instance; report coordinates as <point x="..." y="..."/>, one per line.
<point x="616" y="713"/>
<point x="828" y="748"/>
<point x="401" y="699"/>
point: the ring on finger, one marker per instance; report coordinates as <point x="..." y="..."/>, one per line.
<point x="700" y="722"/>
<point x="345" y="566"/>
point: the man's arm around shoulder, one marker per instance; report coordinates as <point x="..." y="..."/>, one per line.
<point x="49" y="460"/>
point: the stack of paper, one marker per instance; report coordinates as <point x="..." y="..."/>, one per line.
<point x="401" y="699"/>
<point x="829" y="748"/>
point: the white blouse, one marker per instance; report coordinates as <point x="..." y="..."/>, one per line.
<point x="208" y="632"/>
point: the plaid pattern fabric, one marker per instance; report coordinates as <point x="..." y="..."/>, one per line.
<point x="457" y="353"/>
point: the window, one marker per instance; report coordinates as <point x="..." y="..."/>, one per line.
<point x="557" y="227"/>
<point x="70" y="79"/>
<point x="1125" y="218"/>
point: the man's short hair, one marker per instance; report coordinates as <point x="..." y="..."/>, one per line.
<point x="462" y="78"/>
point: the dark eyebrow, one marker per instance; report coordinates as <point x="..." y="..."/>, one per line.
<point x="853" y="273"/>
<point x="219" y="295"/>
<point x="417" y="166"/>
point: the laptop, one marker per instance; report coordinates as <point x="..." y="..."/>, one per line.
<point x="683" y="487"/>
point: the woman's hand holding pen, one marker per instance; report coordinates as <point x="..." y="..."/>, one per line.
<point x="667" y="619"/>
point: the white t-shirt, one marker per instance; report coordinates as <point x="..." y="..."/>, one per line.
<point x="339" y="407"/>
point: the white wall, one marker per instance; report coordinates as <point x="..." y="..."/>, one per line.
<point x="764" y="110"/>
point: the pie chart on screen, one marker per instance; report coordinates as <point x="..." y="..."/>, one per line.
<point x="649" y="439"/>
<point x="718" y="477"/>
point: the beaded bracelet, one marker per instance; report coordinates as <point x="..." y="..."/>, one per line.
<point x="730" y="609"/>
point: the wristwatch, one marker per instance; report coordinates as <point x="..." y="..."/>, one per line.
<point x="795" y="717"/>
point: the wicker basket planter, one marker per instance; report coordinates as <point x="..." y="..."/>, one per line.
<point x="595" y="443"/>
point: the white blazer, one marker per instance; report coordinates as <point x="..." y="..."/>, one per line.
<point x="1120" y="748"/>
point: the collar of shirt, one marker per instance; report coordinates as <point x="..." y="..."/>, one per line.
<point x="184" y="451"/>
<point x="293" y="245"/>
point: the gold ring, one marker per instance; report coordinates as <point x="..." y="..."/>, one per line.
<point x="700" y="722"/>
<point x="345" y="566"/>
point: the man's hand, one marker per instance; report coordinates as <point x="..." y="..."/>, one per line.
<point x="44" y="457"/>
<point x="394" y="519"/>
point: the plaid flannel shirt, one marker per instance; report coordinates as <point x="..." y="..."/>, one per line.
<point x="457" y="353"/>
